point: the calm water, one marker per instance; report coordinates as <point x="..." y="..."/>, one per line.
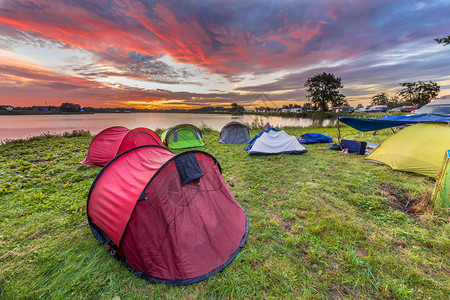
<point x="19" y="126"/>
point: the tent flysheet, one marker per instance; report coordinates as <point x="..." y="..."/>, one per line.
<point x="391" y="121"/>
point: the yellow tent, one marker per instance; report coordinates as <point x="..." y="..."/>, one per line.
<point x="418" y="148"/>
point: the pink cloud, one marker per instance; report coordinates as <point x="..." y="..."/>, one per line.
<point x="158" y="30"/>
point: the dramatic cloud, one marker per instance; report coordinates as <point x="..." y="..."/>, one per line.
<point x="240" y="48"/>
<point x="19" y="78"/>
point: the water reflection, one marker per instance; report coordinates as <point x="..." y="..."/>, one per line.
<point x="21" y="126"/>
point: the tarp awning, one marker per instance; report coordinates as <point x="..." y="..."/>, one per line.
<point x="391" y="121"/>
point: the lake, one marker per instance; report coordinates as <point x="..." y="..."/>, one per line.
<point x="23" y="126"/>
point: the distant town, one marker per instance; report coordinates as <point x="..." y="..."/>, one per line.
<point x="72" y="108"/>
<point x="285" y="110"/>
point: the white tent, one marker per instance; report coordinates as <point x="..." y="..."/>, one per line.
<point x="275" y="142"/>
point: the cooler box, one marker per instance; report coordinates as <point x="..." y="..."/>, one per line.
<point x="354" y="146"/>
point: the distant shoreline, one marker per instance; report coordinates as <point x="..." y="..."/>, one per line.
<point x="25" y="112"/>
<point x="325" y="115"/>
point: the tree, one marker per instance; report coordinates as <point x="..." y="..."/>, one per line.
<point x="380" y="99"/>
<point x="444" y="41"/>
<point x="359" y="106"/>
<point x="88" y="109"/>
<point x="407" y="92"/>
<point x="69" y="107"/>
<point x="339" y="101"/>
<point x="420" y="93"/>
<point x="236" y="108"/>
<point x="306" y="106"/>
<point x="394" y="102"/>
<point x="383" y="99"/>
<point x="323" y="89"/>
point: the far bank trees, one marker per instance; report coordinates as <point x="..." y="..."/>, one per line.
<point x="69" y="107"/>
<point x="411" y="93"/>
<point x="323" y="90"/>
<point x="307" y="106"/>
<point x="384" y="99"/>
<point x="236" y="108"/>
<point x="420" y="93"/>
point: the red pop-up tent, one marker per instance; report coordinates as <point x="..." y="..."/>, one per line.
<point x="170" y="218"/>
<point x="115" y="140"/>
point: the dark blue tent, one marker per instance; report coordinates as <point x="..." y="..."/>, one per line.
<point x="312" y="138"/>
<point x="391" y="121"/>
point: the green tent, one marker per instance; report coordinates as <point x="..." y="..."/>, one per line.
<point x="441" y="192"/>
<point x="417" y="148"/>
<point x="182" y="136"/>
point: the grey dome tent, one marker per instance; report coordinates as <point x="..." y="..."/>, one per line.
<point x="234" y="133"/>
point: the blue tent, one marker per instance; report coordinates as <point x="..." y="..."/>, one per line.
<point x="391" y="121"/>
<point x="266" y="128"/>
<point x="312" y="138"/>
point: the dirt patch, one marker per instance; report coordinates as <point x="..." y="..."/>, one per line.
<point x="15" y="253"/>
<point x="40" y="161"/>
<point x="303" y="249"/>
<point x="339" y="292"/>
<point x="301" y="213"/>
<point x="286" y="225"/>
<point x="276" y="218"/>
<point x="233" y="181"/>
<point x="273" y="158"/>
<point x="35" y="234"/>
<point x="417" y="207"/>
<point x="398" y="197"/>
<point x="362" y="252"/>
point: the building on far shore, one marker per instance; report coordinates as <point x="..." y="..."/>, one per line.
<point x="6" y="107"/>
<point x="45" y="108"/>
<point x="292" y="110"/>
<point x="341" y="109"/>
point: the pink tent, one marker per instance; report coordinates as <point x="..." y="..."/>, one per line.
<point x="170" y="218"/>
<point x="115" y="140"/>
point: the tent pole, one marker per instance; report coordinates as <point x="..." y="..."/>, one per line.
<point x="339" y="133"/>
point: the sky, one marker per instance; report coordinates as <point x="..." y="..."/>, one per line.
<point x="188" y="54"/>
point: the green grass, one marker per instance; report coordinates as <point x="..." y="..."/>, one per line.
<point x="322" y="225"/>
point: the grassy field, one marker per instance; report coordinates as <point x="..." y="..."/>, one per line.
<point x="323" y="225"/>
